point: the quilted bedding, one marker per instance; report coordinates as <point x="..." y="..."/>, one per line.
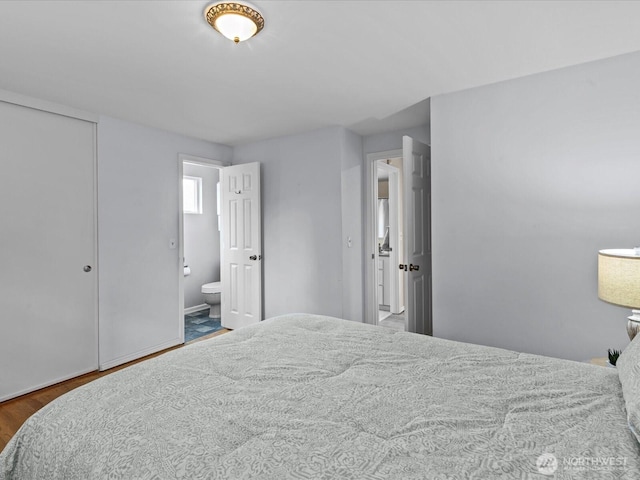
<point x="312" y="397"/>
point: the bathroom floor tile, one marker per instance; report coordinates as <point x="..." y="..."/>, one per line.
<point x="204" y="329"/>
<point x="198" y="324"/>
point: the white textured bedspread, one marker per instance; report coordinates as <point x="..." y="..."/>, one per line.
<point x="310" y="397"/>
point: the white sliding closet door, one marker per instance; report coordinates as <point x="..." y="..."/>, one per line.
<point x="48" y="274"/>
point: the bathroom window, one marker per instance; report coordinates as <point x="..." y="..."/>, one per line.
<point x="192" y="193"/>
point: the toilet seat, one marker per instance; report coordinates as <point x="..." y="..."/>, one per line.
<point x="213" y="287"/>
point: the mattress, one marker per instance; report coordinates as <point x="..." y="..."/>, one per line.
<point x="312" y="397"/>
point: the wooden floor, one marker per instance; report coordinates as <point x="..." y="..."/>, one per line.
<point x="13" y="413"/>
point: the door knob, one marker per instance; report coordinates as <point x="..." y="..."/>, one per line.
<point x="413" y="267"/>
<point x="87" y="268"/>
<point x="403" y="266"/>
<point x="253" y="257"/>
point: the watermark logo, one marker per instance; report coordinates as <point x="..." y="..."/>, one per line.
<point x="594" y="463"/>
<point x="547" y="463"/>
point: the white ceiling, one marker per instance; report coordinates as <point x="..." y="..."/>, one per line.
<point x="365" y="65"/>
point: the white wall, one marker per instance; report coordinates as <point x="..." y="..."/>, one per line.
<point x="303" y="179"/>
<point x="202" y="237"/>
<point x="530" y="178"/>
<point x="138" y="215"/>
<point x="352" y="225"/>
<point x="383" y="142"/>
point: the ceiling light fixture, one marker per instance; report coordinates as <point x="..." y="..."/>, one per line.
<point x="238" y="21"/>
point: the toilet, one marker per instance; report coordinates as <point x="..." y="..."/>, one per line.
<point x="211" y="294"/>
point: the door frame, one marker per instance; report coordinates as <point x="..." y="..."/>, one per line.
<point x="370" y="250"/>
<point x="205" y="162"/>
<point x="394" y="234"/>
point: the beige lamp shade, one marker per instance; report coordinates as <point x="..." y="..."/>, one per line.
<point x="619" y="277"/>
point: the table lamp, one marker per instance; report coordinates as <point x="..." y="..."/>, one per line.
<point x="619" y="282"/>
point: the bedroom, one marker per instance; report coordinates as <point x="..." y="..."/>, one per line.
<point x="541" y="121"/>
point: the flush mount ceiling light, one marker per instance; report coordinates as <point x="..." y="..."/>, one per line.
<point x="236" y="21"/>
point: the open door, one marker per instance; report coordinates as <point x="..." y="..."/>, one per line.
<point x="241" y="263"/>
<point x="416" y="158"/>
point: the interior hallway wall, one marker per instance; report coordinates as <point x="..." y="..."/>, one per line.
<point x="383" y="142"/>
<point x="351" y="188"/>
<point x="303" y="180"/>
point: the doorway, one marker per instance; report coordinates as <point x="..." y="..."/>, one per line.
<point x="240" y="245"/>
<point x="389" y="238"/>
<point x="200" y="249"/>
<point x="411" y="255"/>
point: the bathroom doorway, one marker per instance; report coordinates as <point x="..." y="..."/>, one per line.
<point x="200" y="253"/>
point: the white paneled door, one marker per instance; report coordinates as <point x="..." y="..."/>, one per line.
<point x="48" y="314"/>
<point x="416" y="159"/>
<point x="241" y="270"/>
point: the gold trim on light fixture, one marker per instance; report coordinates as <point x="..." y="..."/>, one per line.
<point x="218" y="10"/>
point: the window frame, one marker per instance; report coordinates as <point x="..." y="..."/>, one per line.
<point x="197" y="181"/>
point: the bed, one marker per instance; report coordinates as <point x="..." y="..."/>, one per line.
<point x="313" y="397"/>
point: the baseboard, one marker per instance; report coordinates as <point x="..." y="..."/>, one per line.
<point x="47" y="384"/>
<point x="139" y="354"/>
<point x="197" y="308"/>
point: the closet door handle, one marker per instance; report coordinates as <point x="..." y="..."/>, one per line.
<point x="403" y="266"/>
<point x="413" y="267"/>
<point x="253" y="257"/>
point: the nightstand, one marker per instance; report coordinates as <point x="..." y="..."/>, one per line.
<point x="602" y="361"/>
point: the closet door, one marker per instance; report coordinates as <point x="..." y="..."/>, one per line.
<point x="48" y="274"/>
